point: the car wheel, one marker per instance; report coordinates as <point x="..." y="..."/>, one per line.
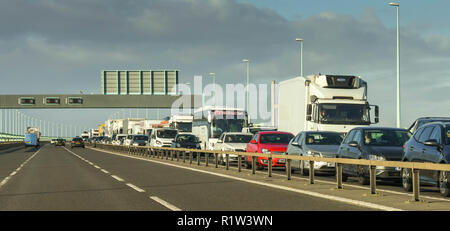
<point x="444" y="186"/>
<point x="221" y="161"/>
<point x="362" y="179"/>
<point x="407" y="179"/>
<point x="248" y="165"/>
<point x="344" y="177"/>
<point x="303" y="170"/>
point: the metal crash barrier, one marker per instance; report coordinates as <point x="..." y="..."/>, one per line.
<point x="166" y="153"/>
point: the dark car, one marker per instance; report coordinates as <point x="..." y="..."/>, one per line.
<point x="423" y="120"/>
<point x="430" y="143"/>
<point x="373" y="143"/>
<point x="60" y="142"/>
<point x="77" y="142"/>
<point x="186" y="141"/>
<point x="139" y="140"/>
<point x="315" y="143"/>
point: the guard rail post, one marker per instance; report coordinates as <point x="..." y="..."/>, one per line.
<point x="227" y="158"/>
<point x="190" y="157"/>
<point x="207" y="159"/>
<point x="269" y="165"/>
<point x="198" y="157"/>
<point x="239" y="163"/>
<point x="339" y="175"/>
<point x="171" y="155"/>
<point x="167" y="154"/>
<point x="373" y="178"/>
<point x="178" y="155"/>
<point x="216" y="159"/>
<point x="184" y="156"/>
<point x="416" y="184"/>
<point x="254" y="164"/>
<point x="311" y="172"/>
<point x="288" y="169"/>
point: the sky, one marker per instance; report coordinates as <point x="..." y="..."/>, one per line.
<point x="61" y="47"/>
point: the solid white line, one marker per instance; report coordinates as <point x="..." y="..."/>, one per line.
<point x="165" y="203"/>
<point x="314" y="194"/>
<point x="135" y="187"/>
<point x="117" y="178"/>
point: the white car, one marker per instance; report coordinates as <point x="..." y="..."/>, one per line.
<point x="232" y="141"/>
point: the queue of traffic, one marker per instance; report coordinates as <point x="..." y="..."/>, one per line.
<point x="319" y="115"/>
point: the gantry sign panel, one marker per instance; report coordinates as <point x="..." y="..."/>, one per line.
<point x="141" y="82"/>
<point x="97" y="101"/>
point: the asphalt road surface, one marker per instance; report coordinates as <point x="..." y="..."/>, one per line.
<point x="65" y="179"/>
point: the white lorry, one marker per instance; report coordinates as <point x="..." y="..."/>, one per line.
<point x="183" y="123"/>
<point x="323" y="103"/>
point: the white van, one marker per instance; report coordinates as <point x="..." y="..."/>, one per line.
<point x="120" y="139"/>
<point x="163" y="137"/>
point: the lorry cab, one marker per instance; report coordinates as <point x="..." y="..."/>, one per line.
<point x="324" y="103"/>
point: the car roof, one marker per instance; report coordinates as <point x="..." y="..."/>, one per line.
<point x="237" y="133"/>
<point x="273" y="132"/>
<point x="381" y="128"/>
<point x="434" y="118"/>
<point x="320" y="132"/>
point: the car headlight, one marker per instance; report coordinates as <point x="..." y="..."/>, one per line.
<point x="229" y="149"/>
<point x="263" y="150"/>
<point x="312" y="153"/>
<point x="158" y="142"/>
<point x="264" y="161"/>
<point x="135" y="144"/>
<point x="376" y="157"/>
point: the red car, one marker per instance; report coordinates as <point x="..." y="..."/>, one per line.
<point x="268" y="142"/>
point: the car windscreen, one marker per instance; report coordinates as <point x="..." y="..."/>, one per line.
<point x="140" y="138"/>
<point x="275" y="138"/>
<point x="323" y="139"/>
<point x="386" y="137"/>
<point x="187" y="139"/>
<point x="77" y="139"/>
<point x="238" y="138"/>
<point x="167" y="134"/>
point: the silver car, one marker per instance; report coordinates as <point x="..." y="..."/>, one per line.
<point x="232" y="141"/>
<point x="315" y="143"/>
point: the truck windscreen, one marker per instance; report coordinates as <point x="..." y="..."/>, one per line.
<point x="227" y="125"/>
<point x="184" y="127"/>
<point x="344" y="114"/>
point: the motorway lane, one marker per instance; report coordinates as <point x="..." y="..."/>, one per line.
<point x="12" y="158"/>
<point x="57" y="180"/>
<point x="189" y="190"/>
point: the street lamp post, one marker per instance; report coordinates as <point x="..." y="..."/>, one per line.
<point x="397" y="6"/>
<point x="248" y="82"/>
<point x="213" y="75"/>
<point x="301" y="54"/>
